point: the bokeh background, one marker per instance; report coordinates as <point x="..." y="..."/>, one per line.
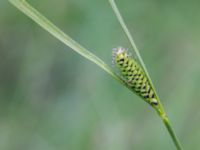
<point x="51" y="98"/>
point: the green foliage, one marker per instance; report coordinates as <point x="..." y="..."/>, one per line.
<point x="47" y="96"/>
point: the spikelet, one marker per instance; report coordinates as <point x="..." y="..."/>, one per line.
<point x="133" y="75"/>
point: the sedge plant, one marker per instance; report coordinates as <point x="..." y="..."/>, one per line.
<point x="133" y="75"/>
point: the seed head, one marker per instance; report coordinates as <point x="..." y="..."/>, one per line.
<point x="133" y="75"/>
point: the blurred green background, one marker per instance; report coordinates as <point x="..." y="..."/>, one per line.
<point x="51" y="98"/>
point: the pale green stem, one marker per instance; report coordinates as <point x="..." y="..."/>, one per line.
<point x="160" y="109"/>
<point x="172" y="133"/>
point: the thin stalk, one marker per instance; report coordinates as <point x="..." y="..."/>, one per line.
<point x="160" y="109"/>
<point x="172" y="133"/>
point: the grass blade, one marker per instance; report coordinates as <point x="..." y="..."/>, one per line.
<point x="31" y="12"/>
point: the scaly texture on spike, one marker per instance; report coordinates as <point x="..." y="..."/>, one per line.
<point x="133" y="75"/>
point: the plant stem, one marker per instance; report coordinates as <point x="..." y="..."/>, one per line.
<point x="160" y="109"/>
<point x="172" y="133"/>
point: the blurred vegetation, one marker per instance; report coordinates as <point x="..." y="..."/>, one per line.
<point x="53" y="99"/>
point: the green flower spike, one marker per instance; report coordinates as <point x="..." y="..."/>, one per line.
<point x="133" y="75"/>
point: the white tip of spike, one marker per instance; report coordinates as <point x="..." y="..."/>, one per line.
<point x="117" y="51"/>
